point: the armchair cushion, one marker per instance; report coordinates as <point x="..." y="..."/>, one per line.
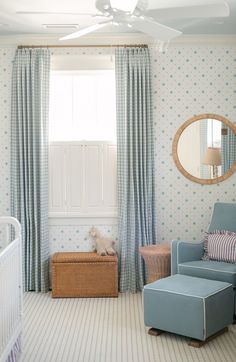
<point x="215" y="270"/>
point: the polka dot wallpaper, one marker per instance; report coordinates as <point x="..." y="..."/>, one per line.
<point x="6" y="57"/>
<point x="76" y="238"/>
<point x="187" y="80"/>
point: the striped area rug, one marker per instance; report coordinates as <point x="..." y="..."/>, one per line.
<point x="106" y="330"/>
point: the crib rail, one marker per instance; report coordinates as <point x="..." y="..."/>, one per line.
<point x="10" y="291"/>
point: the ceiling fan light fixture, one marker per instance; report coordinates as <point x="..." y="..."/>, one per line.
<point x="124" y="5"/>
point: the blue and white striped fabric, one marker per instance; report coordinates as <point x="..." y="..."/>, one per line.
<point x="228" y="149"/>
<point x="29" y="161"/>
<point x="220" y="245"/>
<point x="135" y="147"/>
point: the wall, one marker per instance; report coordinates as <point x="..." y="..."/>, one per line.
<point x="187" y="80"/>
<point x="6" y="57"/>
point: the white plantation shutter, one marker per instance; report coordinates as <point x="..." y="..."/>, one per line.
<point x="82" y="179"/>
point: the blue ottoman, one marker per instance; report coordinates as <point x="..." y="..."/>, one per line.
<point x="189" y="306"/>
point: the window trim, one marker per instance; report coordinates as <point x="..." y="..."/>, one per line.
<point x="65" y="215"/>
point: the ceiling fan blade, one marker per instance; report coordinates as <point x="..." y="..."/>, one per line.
<point x="164" y="4"/>
<point x="86" y="30"/>
<point x="154" y="29"/>
<point x="217" y="10"/>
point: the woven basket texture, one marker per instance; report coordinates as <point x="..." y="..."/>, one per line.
<point x="84" y="275"/>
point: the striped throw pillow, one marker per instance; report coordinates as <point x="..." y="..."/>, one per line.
<point x="220" y="245"/>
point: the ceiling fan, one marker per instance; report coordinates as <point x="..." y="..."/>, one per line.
<point x="140" y="15"/>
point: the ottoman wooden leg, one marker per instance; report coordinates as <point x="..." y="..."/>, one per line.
<point x="155" y="332"/>
<point x="197" y="344"/>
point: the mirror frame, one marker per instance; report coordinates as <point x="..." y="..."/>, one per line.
<point x="175" y="149"/>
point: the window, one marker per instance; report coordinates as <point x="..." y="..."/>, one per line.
<point x="213" y="133"/>
<point x="82" y="150"/>
<point x="82" y="106"/>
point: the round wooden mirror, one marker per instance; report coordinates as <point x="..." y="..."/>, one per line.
<point x="204" y="149"/>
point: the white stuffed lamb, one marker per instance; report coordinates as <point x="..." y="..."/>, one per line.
<point x="103" y="244"/>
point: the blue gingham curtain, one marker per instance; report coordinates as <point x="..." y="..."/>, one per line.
<point x="29" y="161"/>
<point x="135" y="147"/>
<point x="228" y="149"/>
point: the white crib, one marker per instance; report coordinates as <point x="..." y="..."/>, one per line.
<point x="10" y="293"/>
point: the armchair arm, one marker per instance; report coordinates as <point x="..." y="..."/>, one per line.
<point x="182" y="251"/>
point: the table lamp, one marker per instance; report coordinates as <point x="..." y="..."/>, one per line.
<point x="213" y="158"/>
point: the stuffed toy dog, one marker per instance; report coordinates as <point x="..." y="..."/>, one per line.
<point x="103" y="244"/>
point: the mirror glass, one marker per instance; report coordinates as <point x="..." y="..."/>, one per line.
<point x="207" y="148"/>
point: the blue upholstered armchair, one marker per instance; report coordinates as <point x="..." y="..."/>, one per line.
<point x="186" y="257"/>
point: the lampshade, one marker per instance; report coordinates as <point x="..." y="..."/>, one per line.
<point x="212" y="157"/>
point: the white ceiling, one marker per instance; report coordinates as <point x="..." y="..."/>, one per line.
<point x="12" y="23"/>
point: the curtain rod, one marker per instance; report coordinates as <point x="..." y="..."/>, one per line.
<point x="86" y="46"/>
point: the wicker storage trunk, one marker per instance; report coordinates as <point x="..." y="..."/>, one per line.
<point x="84" y="275"/>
